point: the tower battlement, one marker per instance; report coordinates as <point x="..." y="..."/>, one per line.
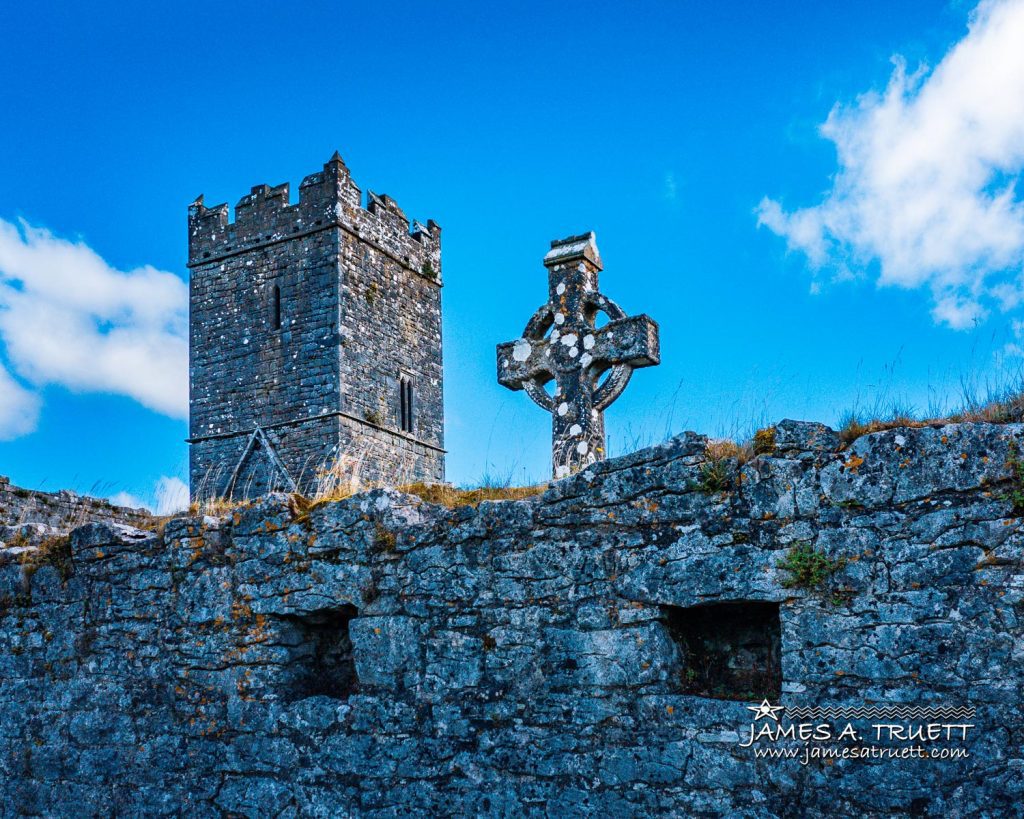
<point x="327" y="199"/>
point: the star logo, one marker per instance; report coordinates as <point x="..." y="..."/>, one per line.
<point x="765" y="709"/>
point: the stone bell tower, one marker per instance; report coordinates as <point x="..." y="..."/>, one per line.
<point x="315" y="340"/>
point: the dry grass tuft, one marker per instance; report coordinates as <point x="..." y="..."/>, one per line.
<point x="996" y="412"/>
<point x="853" y="427"/>
<point x="764" y="441"/>
<point x="53" y="551"/>
<point x="156" y="524"/>
<point x="340" y="477"/>
<point x="20" y="541"/>
<point x="216" y="507"/>
<point x="384" y="538"/>
<point x="1007" y="409"/>
<point x="439" y="493"/>
<point x="337" y="480"/>
<point x="722" y="449"/>
<point x="448" y="495"/>
<point x="717" y="474"/>
<point x="1002" y="406"/>
<point x="301" y="506"/>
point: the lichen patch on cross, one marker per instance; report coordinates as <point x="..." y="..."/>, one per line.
<point x="589" y="365"/>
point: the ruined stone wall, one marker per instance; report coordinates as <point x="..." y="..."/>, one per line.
<point x="312" y="311"/>
<point x="380" y="656"/>
<point x="61" y="511"/>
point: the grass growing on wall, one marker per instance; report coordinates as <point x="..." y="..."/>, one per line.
<point x="453" y="497"/>
<point x="808" y="567"/>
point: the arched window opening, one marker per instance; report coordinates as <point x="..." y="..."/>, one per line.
<point x="277" y="307"/>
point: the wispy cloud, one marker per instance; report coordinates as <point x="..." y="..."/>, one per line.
<point x="170" y="495"/>
<point x="19" y="408"/>
<point x="69" y="318"/>
<point x="671" y="189"/>
<point x="926" y="179"/>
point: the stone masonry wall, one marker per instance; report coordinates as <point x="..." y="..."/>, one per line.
<point x="380" y="656"/>
<point x="358" y="299"/>
<point x="62" y="510"/>
<point x="391" y="325"/>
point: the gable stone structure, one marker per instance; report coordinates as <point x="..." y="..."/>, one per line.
<point x="315" y="340"/>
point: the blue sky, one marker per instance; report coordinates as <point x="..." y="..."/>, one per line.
<point x="795" y="272"/>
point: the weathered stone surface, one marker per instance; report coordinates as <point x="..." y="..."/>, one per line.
<point x="515" y="659"/>
<point x="804" y="436"/>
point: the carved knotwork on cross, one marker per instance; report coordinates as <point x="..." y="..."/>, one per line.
<point x="590" y="365"/>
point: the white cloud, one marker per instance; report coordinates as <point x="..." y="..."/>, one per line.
<point x="69" y="318"/>
<point x="19" y="408"/>
<point x="926" y="182"/>
<point x="129" y="500"/>
<point x="170" y="495"/>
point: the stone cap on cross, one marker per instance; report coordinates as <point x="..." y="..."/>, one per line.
<point x="590" y="365"/>
<point x="571" y="248"/>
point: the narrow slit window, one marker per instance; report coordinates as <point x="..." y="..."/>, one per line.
<point x="405" y="405"/>
<point x="277" y="307"/>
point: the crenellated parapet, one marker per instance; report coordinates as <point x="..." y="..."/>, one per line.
<point x="327" y="199"/>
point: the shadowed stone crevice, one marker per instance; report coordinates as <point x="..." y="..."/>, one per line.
<point x="729" y="650"/>
<point x="319" y="659"/>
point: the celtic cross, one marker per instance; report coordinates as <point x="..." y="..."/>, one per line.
<point x="590" y="365"/>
